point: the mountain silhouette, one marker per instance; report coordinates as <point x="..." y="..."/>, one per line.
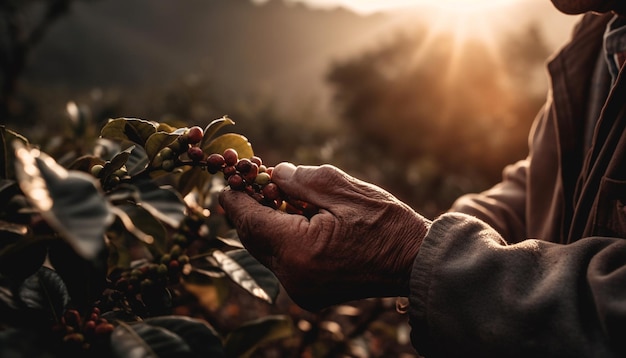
<point x="279" y="47"/>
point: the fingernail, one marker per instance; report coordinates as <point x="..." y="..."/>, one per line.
<point x="283" y="171"/>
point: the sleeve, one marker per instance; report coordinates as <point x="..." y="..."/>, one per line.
<point x="474" y="295"/>
<point x="502" y="206"/>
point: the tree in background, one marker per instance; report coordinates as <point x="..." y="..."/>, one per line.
<point x="432" y="123"/>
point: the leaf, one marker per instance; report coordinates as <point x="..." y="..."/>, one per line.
<point x="133" y="129"/>
<point x="147" y="224"/>
<point x="163" y="202"/>
<point x="229" y="140"/>
<point x="7" y="154"/>
<point x="105" y="148"/>
<point x="85" y="163"/>
<point x="195" y="177"/>
<point x="167" y="336"/>
<point x="143" y="340"/>
<point x="199" y="335"/>
<point x="117" y="162"/>
<point x="213" y="127"/>
<point x="231" y="238"/>
<point x="45" y="291"/>
<point x="137" y="162"/>
<point x="248" y="273"/>
<point x="71" y="202"/>
<point x="242" y="341"/>
<point x="158" y="141"/>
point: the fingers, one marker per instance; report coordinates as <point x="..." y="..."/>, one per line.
<point x="261" y="229"/>
<point x="312" y="184"/>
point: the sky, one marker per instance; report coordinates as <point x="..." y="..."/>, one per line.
<point x="472" y="18"/>
<point x="369" y="6"/>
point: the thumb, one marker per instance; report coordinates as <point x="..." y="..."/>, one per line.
<point x="311" y="184"/>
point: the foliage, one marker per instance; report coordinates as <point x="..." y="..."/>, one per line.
<point x="438" y="117"/>
<point x="96" y="263"/>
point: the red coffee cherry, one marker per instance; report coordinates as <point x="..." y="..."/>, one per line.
<point x="231" y="156"/>
<point x="194" y="135"/>
<point x="195" y="153"/>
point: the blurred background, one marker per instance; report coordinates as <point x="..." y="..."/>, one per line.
<point x="429" y="99"/>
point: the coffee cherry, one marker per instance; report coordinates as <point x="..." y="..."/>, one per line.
<point x="168" y="165"/>
<point x="262" y="179"/>
<point x="243" y="165"/>
<point x="96" y="169"/>
<point x="194" y="135"/>
<point x="271" y="191"/>
<point x="103" y="329"/>
<point x="250" y="176"/>
<point x="256" y="160"/>
<point x="236" y="182"/>
<point x="230" y="156"/>
<point x="195" y="153"/>
<point x="215" y="162"/>
<point x="89" y="327"/>
<point x="71" y="317"/>
<point x="166" y="153"/>
<point x="229" y="171"/>
<point x="183" y="259"/>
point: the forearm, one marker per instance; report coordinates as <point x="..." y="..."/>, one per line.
<point x="471" y="294"/>
<point x="503" y="206"/>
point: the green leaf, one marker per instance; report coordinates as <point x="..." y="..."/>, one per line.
<point x="143" y="340"/>
<point x="165" y="203"/>
<point x="45" y="291"/>
<point x="214" y="127"/>
<point x="71" y="202"/>
<point x="195" y="177"/>
<point x="85" y="163"/>
<point x="148" y="224"/>
<point x="199" y="335"/>
<point x="137" y="162"/>
<point x="243" y="341"/>
<point x="248" y="273"/>
<point x="117" y="162"/>
<point x="7" y="154"/>
<point x="158" y="141"/>
<point x="229" y="140"/>
<point x="261" y="274"/>
<point x="168" y="336"/>
<point x="133" y="129"/>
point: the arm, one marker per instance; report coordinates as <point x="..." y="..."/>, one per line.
<point x="502" y="206"/>
<point x="471" y="293"/>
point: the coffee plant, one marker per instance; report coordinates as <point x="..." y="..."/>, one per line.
<point x="97" y="254"/>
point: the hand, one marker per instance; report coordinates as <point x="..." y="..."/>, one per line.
<point x="361" y="244"/>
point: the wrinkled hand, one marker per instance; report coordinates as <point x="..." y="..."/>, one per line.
<point x="361" y="244"/>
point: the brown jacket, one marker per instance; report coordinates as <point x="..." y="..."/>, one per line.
<point x="536" y="266"/>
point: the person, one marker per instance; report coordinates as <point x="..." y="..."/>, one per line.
<point x="533" y="267"/>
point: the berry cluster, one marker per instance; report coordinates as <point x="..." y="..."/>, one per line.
<point x="251" y="176"/>
<point x="152" y="275"/>
<point x="111" y="180"/>
<point x="83" y="333"/>
<point x="243" y="174"/>
<point x="187" y="143"/>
